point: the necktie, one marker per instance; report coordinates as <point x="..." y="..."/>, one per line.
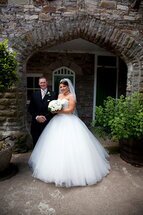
<point x="43" y="93"/>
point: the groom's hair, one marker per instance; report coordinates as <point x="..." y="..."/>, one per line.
<point x="42" y="77"/>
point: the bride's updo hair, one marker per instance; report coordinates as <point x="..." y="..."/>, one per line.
<point x="67" y="82"/>
<point x="64" y="81"/>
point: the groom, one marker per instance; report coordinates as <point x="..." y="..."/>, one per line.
<point x="38" y="108"/>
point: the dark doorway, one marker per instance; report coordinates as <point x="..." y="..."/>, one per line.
<point x="111" y="78"/>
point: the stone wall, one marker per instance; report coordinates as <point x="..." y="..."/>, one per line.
<point x="30" y="27"/>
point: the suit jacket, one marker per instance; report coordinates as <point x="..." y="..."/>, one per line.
<point x="39" y="106"/>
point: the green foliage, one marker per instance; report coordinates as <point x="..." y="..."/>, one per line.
<point x="8" y="66"/>
<point x="105" y="114"/>
<point x="122" y="118"/>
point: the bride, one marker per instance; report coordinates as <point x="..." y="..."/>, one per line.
<point x="67" y="153"/>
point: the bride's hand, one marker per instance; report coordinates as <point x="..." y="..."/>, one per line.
<point x="54" y="112"/>
<point x="58" y="111"/>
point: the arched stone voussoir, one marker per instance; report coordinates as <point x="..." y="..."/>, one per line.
<point x="84" y="26"/>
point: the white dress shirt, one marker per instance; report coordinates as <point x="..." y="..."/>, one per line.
<point x="43" y="93"/>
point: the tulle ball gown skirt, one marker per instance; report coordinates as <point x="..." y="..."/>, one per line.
<point x="68" y="154"/>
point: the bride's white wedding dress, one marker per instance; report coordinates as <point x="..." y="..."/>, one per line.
<point x="68" y="154"/>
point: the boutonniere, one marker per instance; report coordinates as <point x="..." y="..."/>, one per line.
<point x="48" y="93"/>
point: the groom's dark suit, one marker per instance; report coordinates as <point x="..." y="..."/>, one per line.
<point x="39" y="106"/>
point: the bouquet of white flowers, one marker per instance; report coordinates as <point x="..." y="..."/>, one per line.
<point x="55" y="105"/>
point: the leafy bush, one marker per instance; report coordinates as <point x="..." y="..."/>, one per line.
<point x="123" y="117"/>
<point x="8" y="66"/>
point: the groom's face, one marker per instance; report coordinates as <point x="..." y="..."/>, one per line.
<point x="43" y="83"/>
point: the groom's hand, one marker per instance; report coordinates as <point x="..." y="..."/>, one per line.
<point x="41" y="119"/>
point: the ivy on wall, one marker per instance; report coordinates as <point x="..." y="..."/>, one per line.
<point x="8" y="66"/>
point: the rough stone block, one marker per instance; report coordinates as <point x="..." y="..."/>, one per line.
<point x="108" y="4"/>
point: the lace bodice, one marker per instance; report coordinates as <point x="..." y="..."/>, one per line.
<point x="64" y="102"/>
<point x="65" y="105"/>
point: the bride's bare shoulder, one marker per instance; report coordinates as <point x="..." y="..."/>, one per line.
<point x="60" y="96"/>
<point x="71" y="96"/>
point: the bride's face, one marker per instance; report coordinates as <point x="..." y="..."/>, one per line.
<point x="64" y="89"/>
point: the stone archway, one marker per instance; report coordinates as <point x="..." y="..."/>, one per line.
<point x="86" y="27"/>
